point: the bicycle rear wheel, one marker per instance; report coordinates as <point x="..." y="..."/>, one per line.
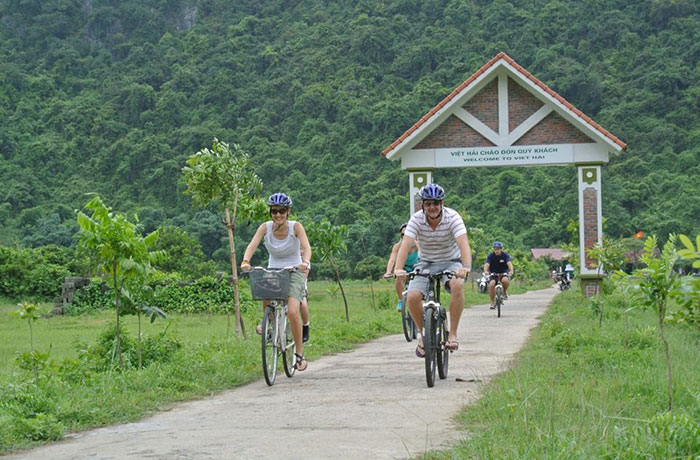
<point x="499" y="298"/>
<point x="288" y="358"/>
<point x="269" y="345"/>
<point x="430" y="345"/>
<point x="441" y="336"/>
<point x="407" y="322"/>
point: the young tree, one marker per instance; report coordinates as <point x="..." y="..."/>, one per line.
<point x="328" y="242"/>
<point x="30" y="312"/>
<point x="136" y="294"/>
<point x="657" y="282"/>
<point x="224" y="175"/>
<point x="688" y="297"/>
<point x="120" y="250"/>
<point x="610" y="257"/>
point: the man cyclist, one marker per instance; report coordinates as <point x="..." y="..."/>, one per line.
<point x="443" y="246"/>
<point x="498" y="264"/>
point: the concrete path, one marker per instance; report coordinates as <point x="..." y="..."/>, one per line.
<point x="372" y="402"/>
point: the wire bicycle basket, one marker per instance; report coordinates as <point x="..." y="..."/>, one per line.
<point x="269" y="285"/>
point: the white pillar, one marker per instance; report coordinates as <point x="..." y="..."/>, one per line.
<point x="590" y="224"/>
<point x="416" y="180"/>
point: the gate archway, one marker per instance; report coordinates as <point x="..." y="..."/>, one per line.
<point x="503" y="116"/>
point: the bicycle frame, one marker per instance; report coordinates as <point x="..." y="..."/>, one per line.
<point x="434" y="327"/>
<point x="500" y="293"/>
<point x="276" y="339"/>
<point x="280" y="333"/>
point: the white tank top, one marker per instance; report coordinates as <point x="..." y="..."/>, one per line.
<point x="283" y="253"/>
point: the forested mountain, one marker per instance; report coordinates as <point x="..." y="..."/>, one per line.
<point x="112" y="96"/>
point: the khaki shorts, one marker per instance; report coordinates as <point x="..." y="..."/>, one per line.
<point x="297" y="286"/>
<point x="420" y="283"/>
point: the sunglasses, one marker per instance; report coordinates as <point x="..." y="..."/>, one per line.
<point x="278" y="210"/>
<point x="432" y="202"/>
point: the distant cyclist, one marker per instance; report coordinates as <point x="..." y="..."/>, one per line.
<point x="288" y="246"/>
<point x="411" y="261"/>
<point x="497" y="264"/>
<point x="443" y="246"/>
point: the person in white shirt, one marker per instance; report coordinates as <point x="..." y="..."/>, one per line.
<point x="444" y="245"/>
<point x="569" y="270"/>
<point x="288" y="246"/>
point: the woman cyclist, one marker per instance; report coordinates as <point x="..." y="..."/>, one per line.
<point x="288" y="246"/>
<point x="411" y="261"/>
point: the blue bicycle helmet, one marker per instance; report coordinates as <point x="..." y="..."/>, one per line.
<point x="432" y="192"/>
<point x="497" y="244"/>
<point x="279" y="199"/>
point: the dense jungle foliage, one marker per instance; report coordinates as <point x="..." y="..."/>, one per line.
<point x="112" y="96"/>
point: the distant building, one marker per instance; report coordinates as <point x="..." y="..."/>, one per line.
<point x="552" y="253"/>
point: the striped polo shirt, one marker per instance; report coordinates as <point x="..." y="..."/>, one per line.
<point x="439" y="244"/>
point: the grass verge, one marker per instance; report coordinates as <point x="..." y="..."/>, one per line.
<point x="580" y="391"/>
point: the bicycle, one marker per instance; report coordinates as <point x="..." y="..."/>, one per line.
<point x="500" y="292"/>
<point x="277" y="339"/>
<point x="435" y="327"/>
<point x="410" y="331"/>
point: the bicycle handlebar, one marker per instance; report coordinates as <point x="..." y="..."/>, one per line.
<point x="448" y="273"/>
<point x="270" y="270"/>
<point x="500" y="275"/>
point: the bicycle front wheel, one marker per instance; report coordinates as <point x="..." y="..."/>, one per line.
<point x="499" y="298"/>
<point x="288" y="358"/>
<point x="269" y="345"/>
<point x="408" y="326"/>
<point x="441" y="336"/>
<point x="430" y="345"/>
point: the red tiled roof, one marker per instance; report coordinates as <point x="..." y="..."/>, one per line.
<point x="553" y="253"/>
<point x="526" y="74"/>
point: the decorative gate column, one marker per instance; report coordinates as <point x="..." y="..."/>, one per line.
<point x="590" y="225"/>
<point x="416" y="180"/>
<point x="503" y="115"/>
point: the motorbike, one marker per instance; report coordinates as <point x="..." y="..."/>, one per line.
<point x="483" y="284"/>
<point x="562" y="279"/>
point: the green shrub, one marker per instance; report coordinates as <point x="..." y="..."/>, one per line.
<point x="567" y="341"/>
<point x="155" y="349"/>
<point x="33" y="361"/>
<point x="38" y="427"/>
<point x="553" y="327"/>
<point x="641" y="338"/>
<point x="667" y="435"/>
<point x="93" y="297"/>
<point x="36" y="273"/>
<point x="206" y="295"/>
<point x="385" y="300"/>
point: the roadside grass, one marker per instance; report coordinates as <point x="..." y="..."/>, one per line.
<point x="579" y="391"/>
<point x="59" y="335"/>
<point x="68" y="393"/>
